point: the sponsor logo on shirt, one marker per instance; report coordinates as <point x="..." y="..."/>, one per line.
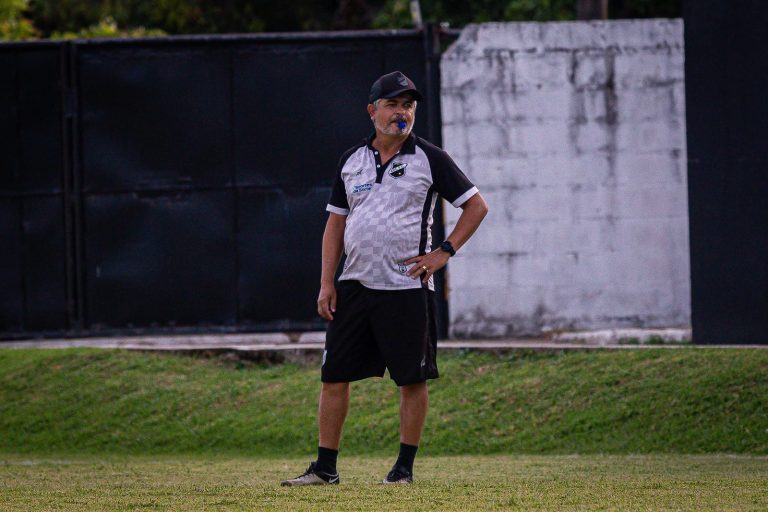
<point x="365" y="187"/>
<point x="358" y="172"/>
<point x="398" y="169"/>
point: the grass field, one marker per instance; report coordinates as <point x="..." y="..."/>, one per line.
<point x="92" y="429"/>
<point x="468" y="483"/>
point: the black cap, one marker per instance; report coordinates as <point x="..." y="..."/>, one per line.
<point x="391" y="85"/>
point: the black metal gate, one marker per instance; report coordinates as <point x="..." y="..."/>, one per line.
<point x="179" y="184"/>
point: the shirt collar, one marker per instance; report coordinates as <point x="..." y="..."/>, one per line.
<point x="408" y="147"/>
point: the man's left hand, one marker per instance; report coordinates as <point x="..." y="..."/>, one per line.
<point x="426" y="265"/>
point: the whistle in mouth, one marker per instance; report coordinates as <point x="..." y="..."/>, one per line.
<point x="401" y="124"/>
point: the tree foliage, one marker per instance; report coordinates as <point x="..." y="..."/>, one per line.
<point x="13" y="25"/>
<point x="185" y="16"/>
<point x="24" y="19"/>
<point x="396" y="13"/>
<point x="107" y="27"/>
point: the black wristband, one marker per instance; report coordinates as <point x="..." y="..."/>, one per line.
<point x="448" y="247"/>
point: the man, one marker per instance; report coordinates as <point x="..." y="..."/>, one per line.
<point x="382" y="315"/>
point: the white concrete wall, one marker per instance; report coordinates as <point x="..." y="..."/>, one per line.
<point x="575" y="134"/>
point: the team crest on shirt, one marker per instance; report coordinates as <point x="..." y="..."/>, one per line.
<point x="398" y="169"/>
<point x="402" y="268"/>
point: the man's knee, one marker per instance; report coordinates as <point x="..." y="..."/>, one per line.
<point x="409" y="390"/>
<point x="335" y="388"/>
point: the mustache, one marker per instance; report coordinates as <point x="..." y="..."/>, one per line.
<point x="400" y="122"/>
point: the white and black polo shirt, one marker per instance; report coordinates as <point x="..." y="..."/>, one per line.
<point x="389" y="208"/>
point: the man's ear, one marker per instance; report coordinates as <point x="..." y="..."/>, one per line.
<point x="371" y="110"/>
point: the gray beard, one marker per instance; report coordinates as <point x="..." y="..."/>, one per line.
<point x="392" y="129"/>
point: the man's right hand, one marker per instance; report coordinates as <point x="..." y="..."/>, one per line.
<point x="326" y="301"/>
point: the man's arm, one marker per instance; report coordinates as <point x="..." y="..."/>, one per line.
<point x="333" y="246"/>
<point x="473" y="213"/>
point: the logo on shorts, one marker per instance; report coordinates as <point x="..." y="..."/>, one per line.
<point x="423" y="361"/>
<point x="365" y="187"/>
<point x="397" y="170"/>
<point x="325" y="354"/>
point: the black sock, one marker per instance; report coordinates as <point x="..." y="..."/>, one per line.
<point x="407" y="454"/>
<point x="326" y="459"/>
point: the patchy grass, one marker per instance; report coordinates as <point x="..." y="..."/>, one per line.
<point x="556" y="483"/>
<point x="91" y="401"/>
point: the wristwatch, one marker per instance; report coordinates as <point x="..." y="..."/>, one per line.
<point x="448" y="247"/>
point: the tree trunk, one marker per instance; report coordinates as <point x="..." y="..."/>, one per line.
<point x="591" y="9"/>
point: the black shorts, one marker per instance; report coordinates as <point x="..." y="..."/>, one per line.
<point x="377" y="329"/>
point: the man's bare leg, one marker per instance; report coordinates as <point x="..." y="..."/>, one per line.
<point x="414" y="400"/>
<point x="332" y="411"/>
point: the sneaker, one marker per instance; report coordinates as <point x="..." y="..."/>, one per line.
<point x="313" y="476"/>
<point x="398" y="475"/>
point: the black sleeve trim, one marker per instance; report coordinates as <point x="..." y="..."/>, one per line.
<point x="449" y="181"/>
<point x="338" y="200"/>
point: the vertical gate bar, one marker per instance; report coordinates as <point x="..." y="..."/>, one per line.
<point x="76" y="190"/>
<point x="234" y="185"/>
<point x="67" y="179"/>
<point x="431" y="38"/>
<point x="20" y="194"/>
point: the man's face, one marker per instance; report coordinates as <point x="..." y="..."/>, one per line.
<point x="388" y="111"/>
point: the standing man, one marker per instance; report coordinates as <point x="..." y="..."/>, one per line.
<point x="382" y="315"/>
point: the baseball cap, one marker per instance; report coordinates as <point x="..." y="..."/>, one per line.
<point x="391" y="85"/>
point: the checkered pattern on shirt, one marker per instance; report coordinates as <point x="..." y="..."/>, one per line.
<point x="385" y="223"/>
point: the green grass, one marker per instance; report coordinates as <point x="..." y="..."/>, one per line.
<point x="592" y="482"/>
<point x="90" y="401"/>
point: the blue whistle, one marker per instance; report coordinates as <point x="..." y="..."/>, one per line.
<point x="401" y="124"/>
